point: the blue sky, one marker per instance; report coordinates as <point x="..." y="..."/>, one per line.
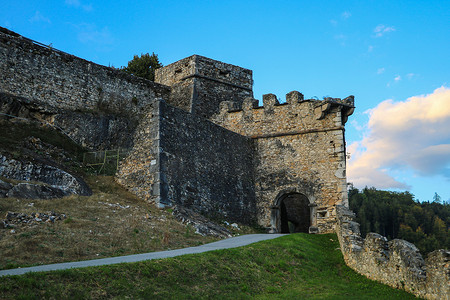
<point x="392" y="55"/>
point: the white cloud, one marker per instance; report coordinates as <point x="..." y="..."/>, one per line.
<point x="410" y="76"/>
<point x="356" y="125"/>
<point x="409" y="135"/>
<point x="381" y="30"/>
<point x="90" y="34"/>
<point x="38" y="17"/>
<point x="370" y="48"/>
<point x="341" y="38"/>
<point x="346" y="15"/>
<point x="78" y="4"/>
<point x="380" y="71"/>
<point x="398" y="78"/>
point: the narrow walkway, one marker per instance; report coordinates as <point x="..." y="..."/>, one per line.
<point x="233" y="242"/>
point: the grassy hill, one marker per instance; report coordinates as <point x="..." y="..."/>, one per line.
<point x="110" y="222"/>
<point x="297" y="266"/>
<point x="114" y="222"/>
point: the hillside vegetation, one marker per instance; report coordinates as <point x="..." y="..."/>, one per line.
<point x="398" y="215"/>
<point x="297" y="266"/>
<point x="110" y="222"/>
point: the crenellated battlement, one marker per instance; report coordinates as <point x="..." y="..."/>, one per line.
<point x="270" y="101"/>
<point x="295" y="114"/>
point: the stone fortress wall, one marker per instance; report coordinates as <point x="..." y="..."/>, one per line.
<point x="397" y="263"/>
<point x="200" y="84"/>
<point x="299" y="148"/>
<point x="183" y="159"/>
<point x="89" y="101"/>
<point x="198" y="139"/>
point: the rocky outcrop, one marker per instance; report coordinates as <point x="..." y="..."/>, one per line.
<point x="201" y="224"/>
<point x="397" y="263"/>
<point x="4" y="188"/>
<point x="35" y="191"/>
<point x="53" y="182"/>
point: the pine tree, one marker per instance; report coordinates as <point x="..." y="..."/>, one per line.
<point x="143" y="66"/>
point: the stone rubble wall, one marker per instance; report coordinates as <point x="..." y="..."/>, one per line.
<point x="205" y="167"/>
<point x="199" y="84"/>
<point x="43" y="74"/>
<point x="85" y="99"/>
<point x="183" y="159"/>
<point x="90" y="130"/>
<point x="299" y="147"/>
<point x="139" y="172"/>
<point x="397" y="263"/>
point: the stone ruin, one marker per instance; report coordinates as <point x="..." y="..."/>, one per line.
<point x="199" y="141"/>
<point x="397" y="263"/>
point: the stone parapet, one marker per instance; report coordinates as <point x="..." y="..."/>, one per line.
<point x="397" y="263"/>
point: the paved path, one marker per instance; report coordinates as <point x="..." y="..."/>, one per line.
<point x="233" y="242"/>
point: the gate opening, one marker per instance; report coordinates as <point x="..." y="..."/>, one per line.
<point x="293" y="214"/>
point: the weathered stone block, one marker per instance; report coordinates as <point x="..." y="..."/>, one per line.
<point x="294" y="97"/>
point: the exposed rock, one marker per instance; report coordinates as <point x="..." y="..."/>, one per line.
<point x="35" y="191"/>
<point x="201" y="224"/>
<point x="4" y="188"/>
<point x="50" y="175"/>
<point x="13" y="219"/>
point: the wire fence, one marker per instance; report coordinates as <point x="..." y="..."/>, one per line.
<point x="105" y="161"/>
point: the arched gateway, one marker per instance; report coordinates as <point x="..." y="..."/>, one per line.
<point x="291" y="213"/>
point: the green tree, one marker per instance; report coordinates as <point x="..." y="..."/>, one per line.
<point x="437" y="198"/>
<point x="398" y="215"/>
<point x="143" y="66"/>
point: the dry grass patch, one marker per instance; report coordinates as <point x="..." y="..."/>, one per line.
<point x="111" y="222"/>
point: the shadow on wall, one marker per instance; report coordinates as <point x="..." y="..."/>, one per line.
<point x="397" y="263"/>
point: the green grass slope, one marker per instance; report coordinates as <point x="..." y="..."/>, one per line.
<point x="297" y="266"/>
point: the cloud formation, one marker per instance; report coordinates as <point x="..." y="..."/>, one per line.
<point x="38" y="17"/>
<point x="78" y="4"/>
<point x="381" y="30"/>
<point x="346" y="15"/>
<point x="407" y="135"/>
<point x="90" y="34"/>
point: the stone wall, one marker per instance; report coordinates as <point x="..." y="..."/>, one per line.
<point x="86" y="99"/>
<point x="140" y="171"/>
<point x="88" y="129"/>
<point x="183" y="159"/>
<point x="43" y="74"/>
<point x="397" y="263"/>
<point x="299" y="148"/>
<point x="205" y="167"/>
<point x="199" y="84"/>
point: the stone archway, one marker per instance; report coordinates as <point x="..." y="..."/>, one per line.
<point x="291" y="213"/>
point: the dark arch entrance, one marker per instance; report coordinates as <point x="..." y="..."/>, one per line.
<point x="294" y="213"/>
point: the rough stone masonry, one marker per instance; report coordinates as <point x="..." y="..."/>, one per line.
<point x="199" y="140"/>
<point x="197" y="137"/>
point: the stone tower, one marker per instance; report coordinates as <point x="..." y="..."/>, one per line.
<point x="199" y="84"/>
